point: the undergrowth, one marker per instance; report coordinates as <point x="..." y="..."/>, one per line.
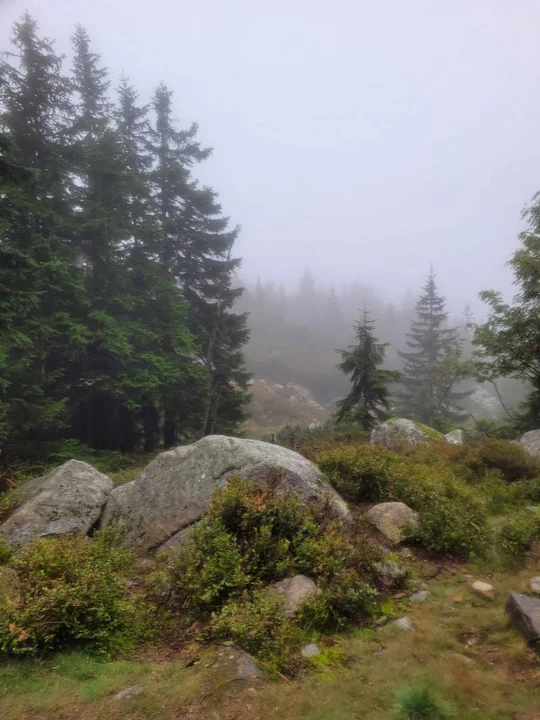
<point x="253" y="535"/>
<point x="72" y="592"/>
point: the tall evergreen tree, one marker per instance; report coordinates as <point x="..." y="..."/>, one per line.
<point x="368" y="400"/>
<point x="41" y="291"/>
<point x="195" y="246"/>
<point x="433" y="366"/>
<point x="116" y="274"/>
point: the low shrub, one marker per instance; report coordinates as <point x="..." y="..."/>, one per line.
<point x="256" y="622"/>
<point x="72" y="592"/>
<point x="517" y="532"/>
<point x="474" y="462"/>
<point x="509" y="457"/>
<point x="452" y="514"/>
<point x="252" y="535"/>
<point x="528" y="490"/>
<point x="420" y="704"/>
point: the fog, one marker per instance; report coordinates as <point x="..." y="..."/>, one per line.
<point x="363" y="140"/>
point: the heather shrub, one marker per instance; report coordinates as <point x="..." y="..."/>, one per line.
<point x="256" y="622"/>
<point x="251" y="536"/>
<point x="452" y="513"/>
<point x="72" y="593"/>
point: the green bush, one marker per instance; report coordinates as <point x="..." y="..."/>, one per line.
<point x="528" y="490"/>
<point x="452" y="514"/>
<point x="256" y="622"/>
<point x="72" y="592"/>
<point x="253" y="535"/>
<point x="420" y="704"/>
<point x="517" y="532"/>
<point x="508" y="457"/>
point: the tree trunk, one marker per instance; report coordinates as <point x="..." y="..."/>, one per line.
<point x="209" y="358"/>
<point x="150" y="426"/>
<point x="169" y="433"/>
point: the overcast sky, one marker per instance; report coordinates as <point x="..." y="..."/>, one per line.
<point x="363" y="139"/>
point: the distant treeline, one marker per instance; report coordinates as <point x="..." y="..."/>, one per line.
<point x="116" y="266"/>
<point x="295" y="335"/>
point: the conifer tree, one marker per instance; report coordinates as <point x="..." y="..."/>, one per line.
<point x="116" y="274"/>
<point x="41" y="292"/>
<point x="433" y="366"/>
<point x="195" y="246"/>
<point x="368" y="400"/>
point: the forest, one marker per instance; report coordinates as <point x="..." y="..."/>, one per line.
<point x="116" y="267"/>
<point x="125" y="325"/>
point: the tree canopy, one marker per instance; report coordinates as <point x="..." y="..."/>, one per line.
<point x="117" y="271"/>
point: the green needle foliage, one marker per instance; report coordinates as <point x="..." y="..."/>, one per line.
<point x="433" y="366"/>
<point x="368" y="400"/>
<point x="117" y="325"/>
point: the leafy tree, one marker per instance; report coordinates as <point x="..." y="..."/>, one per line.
<point x="434" y="365"/>
<point x="368" y="401"/>
<point x="509" y="341"/>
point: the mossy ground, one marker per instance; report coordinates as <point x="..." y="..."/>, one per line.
<point x="463" y="650"/>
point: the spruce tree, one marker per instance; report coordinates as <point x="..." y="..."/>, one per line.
<point x="195" y="246"/>
<point x="116" y="274"/>
<point x="433" y="366"/>
<point x="368" y="400"/>
<point x="41" y="290"/>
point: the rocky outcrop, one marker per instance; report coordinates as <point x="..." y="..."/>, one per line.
<point x="394" y="520"/>
<point x="397" y="433"/>
<point x="531" y="443"/>
<point x="524" y="612"/>
<point x="67" y="500"/>
<point x="295" y="591"/>
<point x="175" y="489"/>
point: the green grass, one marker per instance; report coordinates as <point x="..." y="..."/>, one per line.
<point x="463" y="658"/>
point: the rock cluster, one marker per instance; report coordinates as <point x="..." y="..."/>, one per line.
<point x="165" y="500"/>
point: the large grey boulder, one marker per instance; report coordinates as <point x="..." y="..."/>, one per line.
<point x="175" y="489"/>
<point x="67" y="500"/>
<point x="394" y="520"/>
<point x="531" y="443"/>
<point x="397" y="433"/>
<point x="524" y="612"/>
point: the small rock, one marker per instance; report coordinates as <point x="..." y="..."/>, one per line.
<point x="128" y="692"/>
<point x="311" y="650"/>
<point x="535" y="585"/>
<point x="381" y="621"/>
<point x="483" y="588"/>
<point x="404" y="623"/>
<point x="394" y="520"/>
<point x="420" y="596"/>
<point x="525" y="614"/>
<point x="390" y="573"/>
<point x="296" y="590"/>
<point x="456" y="437"/>
<point x="448" y="611"/>
<point x="406" y="553"/>
<point x="533" y="508"/>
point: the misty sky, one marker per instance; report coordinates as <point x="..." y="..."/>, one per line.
<point x="363" y="139"/>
